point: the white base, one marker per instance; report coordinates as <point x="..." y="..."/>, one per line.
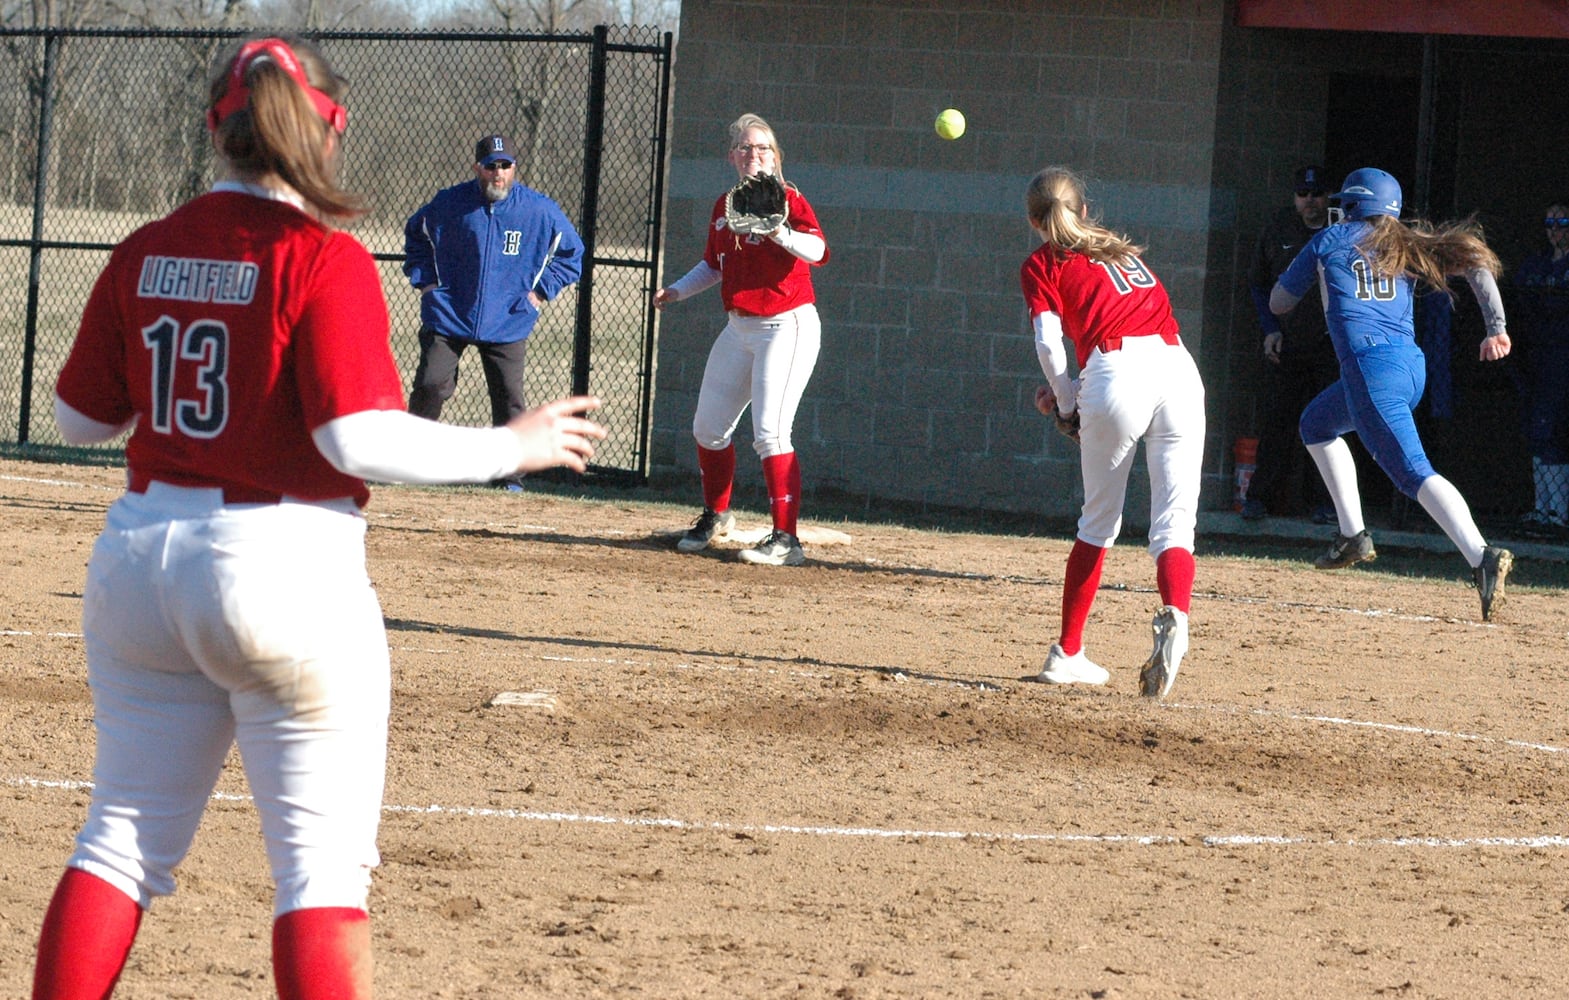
<point x="809" y="534"/>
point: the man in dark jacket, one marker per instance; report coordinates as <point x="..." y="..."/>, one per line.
<point x="486" y="255"/>
<point x="1299" y="360"/>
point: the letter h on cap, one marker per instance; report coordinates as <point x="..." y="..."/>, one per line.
<point x="493" y="147"/>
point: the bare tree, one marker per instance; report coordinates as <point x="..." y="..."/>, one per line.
<point x="663" y="14"/>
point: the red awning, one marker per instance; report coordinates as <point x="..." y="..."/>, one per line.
<point x="1516" y="18"/>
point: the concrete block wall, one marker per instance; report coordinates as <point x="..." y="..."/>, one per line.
<point x="923" y="392"/>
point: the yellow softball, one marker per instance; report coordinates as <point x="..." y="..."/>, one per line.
<point x="950" y="124"/>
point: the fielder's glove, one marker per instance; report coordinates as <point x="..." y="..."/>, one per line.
<point x="1046" y="403"/>
<point x="757" y="205"/>
<point x="1067" y="426"/>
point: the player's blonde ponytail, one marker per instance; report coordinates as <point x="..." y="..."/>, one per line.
<point x="1054" y="203"/>
<point x="280" y="130"/>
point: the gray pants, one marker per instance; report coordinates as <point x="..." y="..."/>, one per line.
<point x="436" y="379"/>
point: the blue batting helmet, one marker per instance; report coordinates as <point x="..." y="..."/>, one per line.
<point x="1369" y="191"/>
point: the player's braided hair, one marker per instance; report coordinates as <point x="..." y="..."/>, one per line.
<point x="279" y="131"/>
<point x="1430" y="253"/>
<point x="1054" y="203"/>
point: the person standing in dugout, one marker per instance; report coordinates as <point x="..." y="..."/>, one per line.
<point x="1367" y="267"/>
<point x="763" y="357"/>
<point x="1087" y="284"/>
<point x="1299" y="360"/>
<point x="243" y="341"/>
<point x="1541" y="287"/>
<point x="485" y="255"/>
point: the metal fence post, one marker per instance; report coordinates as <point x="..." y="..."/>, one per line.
<point x="35" y="255"/>
<point x="593" y="156"/>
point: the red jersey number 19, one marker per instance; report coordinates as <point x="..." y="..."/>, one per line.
<point x="1128" y="274"/>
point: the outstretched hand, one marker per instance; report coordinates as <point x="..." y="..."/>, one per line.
<point x="557" y="434"/>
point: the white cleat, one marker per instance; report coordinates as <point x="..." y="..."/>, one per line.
<point x="780" y="548"/>
<point x="1171" y="644"/>
<point x="1076" y="669"/>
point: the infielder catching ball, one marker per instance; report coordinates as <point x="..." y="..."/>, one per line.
<point x="764" y="355"/>
<point x="244" y="341"/>
<point x="1087" y="284"/>
<point x="1366" y="268"/>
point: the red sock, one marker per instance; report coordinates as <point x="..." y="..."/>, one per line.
<point x="86" y="939"/>
<point x="1078" y="593"/>
<point x="782" y="474"/>
<point x="718" y="468"/>
<point x="1174" y="577"/>
<point x="322" y="953"/>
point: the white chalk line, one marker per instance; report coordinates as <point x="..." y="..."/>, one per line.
<point x="911" y="834"/>
<point x="62" y="482"/>
<point x="1392" y="727"/>
<point x="542" y="529"/>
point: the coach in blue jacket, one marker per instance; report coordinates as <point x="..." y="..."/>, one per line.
<point x="486" y="255"/>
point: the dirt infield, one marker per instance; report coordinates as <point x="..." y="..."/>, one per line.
<point x="619" y="771"/>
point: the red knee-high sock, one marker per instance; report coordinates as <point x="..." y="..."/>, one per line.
<point x="782" y="475"/>
<point x="86" y="939"/>
<point x="322" y="953"/>
<point x="1174" y="576"/>
<point x="718" y="468"/>
<point x="1078" y="593"/>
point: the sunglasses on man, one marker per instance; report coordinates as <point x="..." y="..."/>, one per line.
<point x="1556" y="223"/>
<point x="498" y="165"/>
<point x="1310" y="193"/>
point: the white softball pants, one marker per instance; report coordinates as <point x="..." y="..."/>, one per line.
<point x="765" y="361"/>
<point x="208" y="625"/>
<point x="1148" y="390"/>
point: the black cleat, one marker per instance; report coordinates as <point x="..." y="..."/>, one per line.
<point x="1490" y="577"/>
<point x="1345" y="551"/>
<point x="710" y="526"/>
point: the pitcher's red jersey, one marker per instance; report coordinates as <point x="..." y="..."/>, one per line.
<point x="1098" y="303"/>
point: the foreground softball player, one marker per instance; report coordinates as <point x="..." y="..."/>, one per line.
<point x="245" y="343"/>
<point x="764" y="355"/>
<point x="1087" y="284"/>
<point x="1367" y="267"/>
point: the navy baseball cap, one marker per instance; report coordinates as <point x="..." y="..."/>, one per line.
<point x="493" y="148"/>
<point x="1311" y="178"/>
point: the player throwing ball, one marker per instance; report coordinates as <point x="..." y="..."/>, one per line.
<point x="1087" y="284"/>
<point x="243" y="340"/>
<point x="1367" y="267"/>
<point x="763" y="357"/>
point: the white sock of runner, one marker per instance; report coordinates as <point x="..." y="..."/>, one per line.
<point x="1440" y="499"/>
<point x="1339" y="471"/>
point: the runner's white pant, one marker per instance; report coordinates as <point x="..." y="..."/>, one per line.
<point x="765" y="361"/>
<point x="208" y="625"/>
<point x="1147" y="390"/>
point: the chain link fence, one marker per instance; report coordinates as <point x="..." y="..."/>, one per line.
<point x="103" y="132"/>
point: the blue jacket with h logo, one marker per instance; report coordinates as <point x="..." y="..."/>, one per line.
<point x="484" y="259"/>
